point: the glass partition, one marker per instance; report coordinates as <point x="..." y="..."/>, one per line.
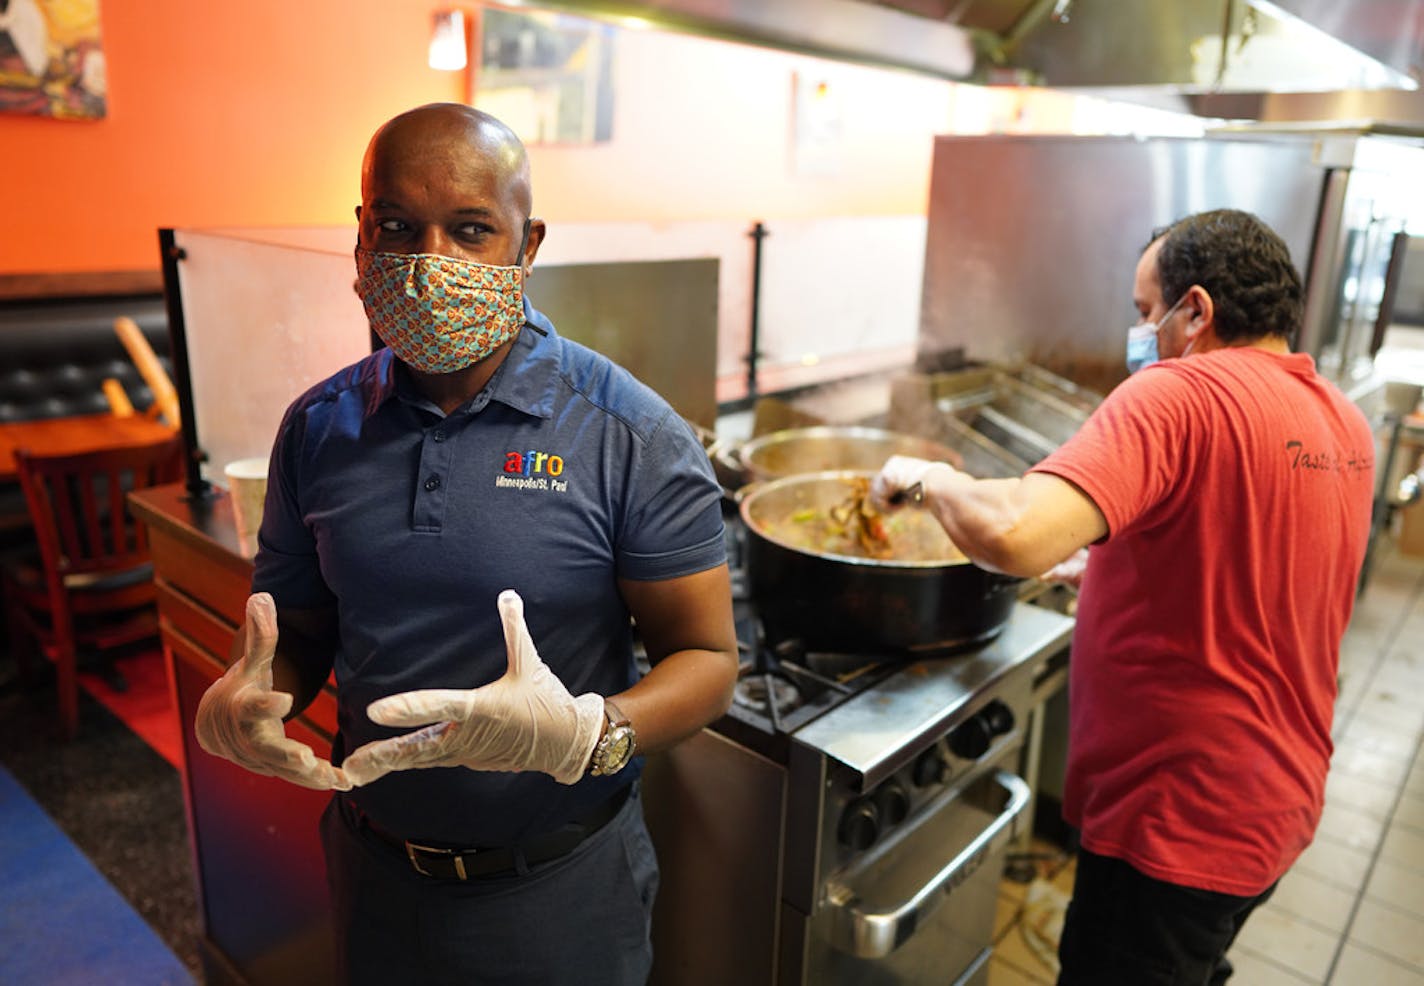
<point x="724" y="241"/>
<point x="840" y="296"/>
<point x="268" y="312"/>
<point x="837" y="295"/>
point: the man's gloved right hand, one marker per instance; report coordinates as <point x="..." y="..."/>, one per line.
<point x="524" y="720"/>
<point x="240" y="715"/>
<point x="902" y="473"/>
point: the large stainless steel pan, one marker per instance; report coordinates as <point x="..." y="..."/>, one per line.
<point x="830" y="447"/>
<point x="840" y="604"/>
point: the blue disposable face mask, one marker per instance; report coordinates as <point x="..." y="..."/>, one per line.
<point x="1142" y="340"/>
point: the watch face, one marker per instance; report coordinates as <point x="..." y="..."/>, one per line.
<point x="620" y="748"/>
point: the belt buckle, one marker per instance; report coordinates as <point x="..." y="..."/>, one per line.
<point x="411" y="848"/>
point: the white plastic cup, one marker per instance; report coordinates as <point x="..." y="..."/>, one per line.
<point x="247" y="485"/>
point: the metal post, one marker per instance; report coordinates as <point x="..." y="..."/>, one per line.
<point x="758" y="233"/>
<point x="171" y="253"/>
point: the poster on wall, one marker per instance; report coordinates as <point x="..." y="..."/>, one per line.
<point x="549" y="76"/>
<point x="51" y="62"/>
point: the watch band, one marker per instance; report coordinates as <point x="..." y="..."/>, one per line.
<point x="615" y="715"/>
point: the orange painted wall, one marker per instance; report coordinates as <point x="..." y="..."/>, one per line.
<point x="253" y="113"/>
<point x="256" y="114"/>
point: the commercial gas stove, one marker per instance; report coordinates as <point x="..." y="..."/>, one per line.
<point x="847" y="819"/>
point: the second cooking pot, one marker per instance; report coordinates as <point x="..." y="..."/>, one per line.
<point x="829" y="447"/>
<point x="846" y="605"/>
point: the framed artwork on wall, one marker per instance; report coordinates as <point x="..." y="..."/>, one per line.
<point x="548" y="75"/>
<point x="51" y="60"/>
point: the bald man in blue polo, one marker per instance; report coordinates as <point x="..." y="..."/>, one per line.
<point x="461" y="526"/>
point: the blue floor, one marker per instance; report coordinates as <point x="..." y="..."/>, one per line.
<point x="61" y="922"/>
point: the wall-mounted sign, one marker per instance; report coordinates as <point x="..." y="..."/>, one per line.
<point x="816" y="126"/>
<point x="51" y="62"/>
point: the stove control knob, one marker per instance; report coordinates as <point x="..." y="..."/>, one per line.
<point x="973" y="739"/>
<point x="893" y="802"/>
<point x="860" y="824"/>
<point x="930" y="768"/>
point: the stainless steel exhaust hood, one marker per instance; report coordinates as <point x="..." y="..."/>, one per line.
<point x="851" y="30"/>
<point x="1143" y="49"/>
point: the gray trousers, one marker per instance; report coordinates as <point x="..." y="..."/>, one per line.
<point x="581" y="920"/>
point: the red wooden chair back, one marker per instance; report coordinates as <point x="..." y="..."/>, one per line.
<point x="94" y="555"/>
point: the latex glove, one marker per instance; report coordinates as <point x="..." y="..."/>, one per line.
<point x="1070" y="570"/>
<point x="240" y="715"/>
<point x="899" y="474"/>
<point x="527" y="720"/>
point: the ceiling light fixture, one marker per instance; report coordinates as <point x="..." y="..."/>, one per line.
<point x="447" y="41"/>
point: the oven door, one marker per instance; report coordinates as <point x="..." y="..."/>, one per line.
<point x="923" y="911"/>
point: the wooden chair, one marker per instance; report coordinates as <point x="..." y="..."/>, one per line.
<point x="92" y="584"/>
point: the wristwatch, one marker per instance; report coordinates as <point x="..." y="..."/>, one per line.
<point x="615" y="748"/>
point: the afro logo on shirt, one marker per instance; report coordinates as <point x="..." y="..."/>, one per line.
<point x="533" y="470"/>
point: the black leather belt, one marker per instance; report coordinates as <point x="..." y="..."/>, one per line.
<point x="473" y="864"/>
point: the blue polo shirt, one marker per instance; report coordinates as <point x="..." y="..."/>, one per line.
<point x="562" y="475"/>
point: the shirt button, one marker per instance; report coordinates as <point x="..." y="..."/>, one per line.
<point x="439" y="436"/>
<point x="432" y="483"/>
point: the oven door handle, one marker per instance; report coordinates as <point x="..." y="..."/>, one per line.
<point x="875" y="934"/>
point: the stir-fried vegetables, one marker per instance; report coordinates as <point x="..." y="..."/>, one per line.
<point x="859" y="518"/>
<point x="854" y="528"/>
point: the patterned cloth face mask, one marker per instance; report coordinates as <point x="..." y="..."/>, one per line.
<point x="439" y="314"/>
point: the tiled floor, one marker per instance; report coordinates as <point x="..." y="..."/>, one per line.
<point x="1351" y="911"/>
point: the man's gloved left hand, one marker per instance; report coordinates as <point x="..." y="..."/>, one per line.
<point x="527" y="720"/>
<point x="1070" y="570"/>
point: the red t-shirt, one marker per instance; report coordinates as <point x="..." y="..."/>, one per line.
<point x="1237" y="488"/>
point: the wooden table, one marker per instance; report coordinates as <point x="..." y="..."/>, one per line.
<point x="79" y="433"/>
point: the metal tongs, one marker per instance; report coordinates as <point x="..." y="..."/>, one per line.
<point x="914" y="494"/>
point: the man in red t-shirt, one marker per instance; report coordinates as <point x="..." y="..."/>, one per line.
<point x="1226" y="498"/>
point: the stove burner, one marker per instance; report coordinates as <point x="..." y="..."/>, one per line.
<point x="760" y="692"/>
